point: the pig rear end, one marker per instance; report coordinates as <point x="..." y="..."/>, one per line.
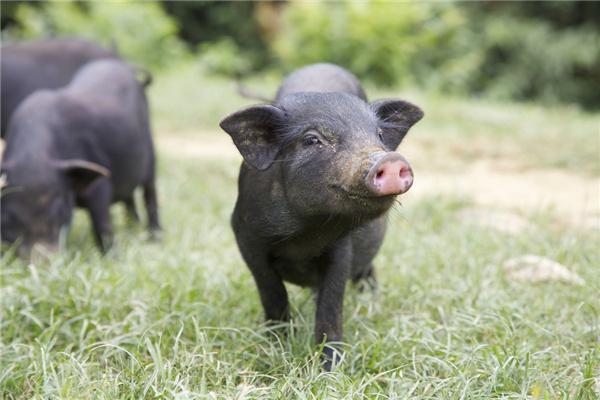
<point x="88" y="144"/>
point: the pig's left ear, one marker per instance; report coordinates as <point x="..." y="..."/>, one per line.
<point x="395" y="119"/>
<point x="82" y="173"/>
<point x="253" y="131"/>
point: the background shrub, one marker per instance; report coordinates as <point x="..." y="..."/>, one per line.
<point x="547" y="52"/>
<point x="141" y="31"/>
<point x="387" y="43"/>
<point x="461" y="48"/>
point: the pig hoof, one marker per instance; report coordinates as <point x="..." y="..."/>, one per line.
<point x="331" y="357"/>
<point x="366" y="282"/>
<point x="366" y="285"/>
<point x="155" y="235"/>
<point x="278" y="325"/>
<point x="278" y="330"/>
<point x="106" y="244"/>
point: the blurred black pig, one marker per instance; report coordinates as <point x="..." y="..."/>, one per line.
<point x="88" y="144"/>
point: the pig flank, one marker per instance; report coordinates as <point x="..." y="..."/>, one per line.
<point x="318" y="177"/>
<point x="88" y="144"/>
<point x="41" y="64"/>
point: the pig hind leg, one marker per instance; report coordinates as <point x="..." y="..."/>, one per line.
<point x="132" y="213"/>
<point x="366" y="242"/>
<point x="151" y="206"/>
<point x="366" y="278"/>
<point x="97" y="201"/>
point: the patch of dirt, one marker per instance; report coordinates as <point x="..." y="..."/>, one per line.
<point x="493" y="183"/>
<point x="574" y="198"/>
<point x="501" y="220"/>
<point x="196" y="145"/>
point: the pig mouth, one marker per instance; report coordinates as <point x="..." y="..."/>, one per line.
<point x="363" y="197"/>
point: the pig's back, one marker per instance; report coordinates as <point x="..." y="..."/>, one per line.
<point x="41" y="64"/>
<point x="321" y="78"/>
<point x="48" y="64"/>
<point x="108" y="78"/>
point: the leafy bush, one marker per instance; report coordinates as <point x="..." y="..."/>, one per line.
<point x="232" y="26"/>
<point x="508" y="50"/>
<point x="461" y="48"/>
<point x="528" y="59"/>
<point x="384" y="43"/>
<point x="141" y="30"/>
<point x="223" y="57"/>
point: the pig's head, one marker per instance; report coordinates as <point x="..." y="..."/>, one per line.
<point x="334" y="152"/>
<point x="38" y="199"/>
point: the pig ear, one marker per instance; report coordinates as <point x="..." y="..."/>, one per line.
<point x="253" y="133"/>
<point x="82" y="173"/>
<point x="395" y="119"/>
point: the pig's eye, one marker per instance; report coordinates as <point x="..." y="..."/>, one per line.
<point x="310" y="140"/>
<point x="380" y="134"/>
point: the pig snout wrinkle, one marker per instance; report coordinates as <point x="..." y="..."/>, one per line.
<point x="390" y="175"/>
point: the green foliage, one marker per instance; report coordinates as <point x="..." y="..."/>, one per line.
<point x="527" y="59"/>
<point x="223" y="57"/>
<point x="223" y="24"/>
<point x="141" y="31"/>
<point x="459" y="48"/>
<point x="546" y="52"/>
<point x="383" y="42"/>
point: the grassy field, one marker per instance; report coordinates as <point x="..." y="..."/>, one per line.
<point x="181" y="318"/>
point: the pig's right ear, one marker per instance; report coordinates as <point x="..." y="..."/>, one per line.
<point x="253" y="133"/>
<point x="82" y="173"/>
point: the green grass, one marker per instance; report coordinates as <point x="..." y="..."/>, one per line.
<point x="182" y="319"/>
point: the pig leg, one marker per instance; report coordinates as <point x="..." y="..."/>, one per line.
<point x="98" y="201"/>
<point x="132" y="213"/>
<point x="366" y="278"/>
<point x="273" y="295"/>
<point x="151" y="206"/>
<point x="366" y="242"/>
<point x="330" y="299"/>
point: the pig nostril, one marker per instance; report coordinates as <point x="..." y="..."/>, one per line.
<point x="380" y="174"/>
<point x="404" y="172"/>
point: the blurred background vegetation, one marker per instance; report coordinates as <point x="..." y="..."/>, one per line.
<point x="546" y="52"/>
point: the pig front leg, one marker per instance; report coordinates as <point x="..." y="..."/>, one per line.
<point x="330" y="299"/>
<point x="273" y="295"/>
<point x="97" y="200"/>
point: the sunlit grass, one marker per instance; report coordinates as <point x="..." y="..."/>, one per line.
<point x="181" y="318"/>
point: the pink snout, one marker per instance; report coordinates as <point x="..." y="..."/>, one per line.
<point x="390" y="175"/>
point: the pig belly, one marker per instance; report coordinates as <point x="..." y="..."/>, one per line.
<point x="305" y="273"/>
<point x="128" y="174"/>
<point x="124" y="191"/>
